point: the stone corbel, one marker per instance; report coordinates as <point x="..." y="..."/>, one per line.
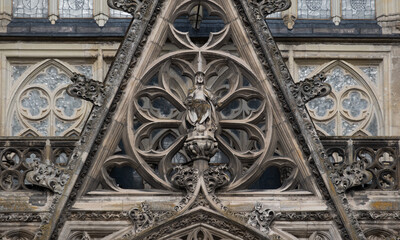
<point x="290" y="16"/>
<point x="289" y="21"/>
<point x="87" y="89"/>
<point x="310" y="88"/>
<point x="263" y="8"/>
<point x="100" y="12"/>
<point x="129" y="6"/>
<point x="352" y="175"/>
<point x="53" y="12"/>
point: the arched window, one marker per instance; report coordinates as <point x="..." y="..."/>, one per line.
<point x="40" y="105"/>
<point x="352" y="108"/>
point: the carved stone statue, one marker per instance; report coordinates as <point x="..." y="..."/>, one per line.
<point x="202" y="120"/>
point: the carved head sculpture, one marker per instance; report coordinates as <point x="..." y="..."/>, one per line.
<point x="199" y="78"/>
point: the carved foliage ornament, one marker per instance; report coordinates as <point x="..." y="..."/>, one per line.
<point x="266" y="7"/>
<point x="87" y="89"/>
<point x="261" y="218"/>
<point x="352" y="175"/>
<point x="310" y="88"/>
<point x="129" y="6"/>
<point x="48" y="176"/>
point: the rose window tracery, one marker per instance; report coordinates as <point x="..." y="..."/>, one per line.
<point x="197" y="110"/>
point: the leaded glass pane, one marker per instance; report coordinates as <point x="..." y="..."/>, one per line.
<point x="45" y="107"/>
<point x="275" y="15"/>
<point x="86" y="70"/>
<point x="373" y="126"/>
<point x="35" y="102"/>
<point x="314" y="9"/>
<point x="358" y="9"/>
<point x="52" y="78"/>
<point x="119" y="14"/>
<point x="338" y="79"/>
<point x="17" y="71"/>
<point x="329" y="127"/>
<point x="321" y="105"/>
<point x="347" y="110"/>
<point x="304" y="71"/>
<point x="30" y="8"/>
<point x="41" y="126"/>
<point x="355" y="104"/>
<point x="371" y="72"/>
<point x="76" y="8"/>
<point x="348" y="128"/>
<point x="61" y="126"/>
<point x="68" y="104"/>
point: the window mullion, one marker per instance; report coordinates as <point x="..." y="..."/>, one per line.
<point x="53" y="11"/>
<point x="100" y="12"/>
<point x="336" y="11"/>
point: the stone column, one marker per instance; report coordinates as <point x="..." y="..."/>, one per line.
<point x="336" y="12"/>
<point x="53" y="11"/>
<point x="388" y="16"/>
<point x="5" y="14"/>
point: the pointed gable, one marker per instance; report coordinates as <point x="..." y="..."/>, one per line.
<point x="194" y="122"/>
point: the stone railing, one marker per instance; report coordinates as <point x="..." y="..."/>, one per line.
<point x="19" y="156"/>
<point x="378" y="157"/>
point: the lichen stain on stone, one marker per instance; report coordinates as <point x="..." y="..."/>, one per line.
<point x="38" y="200"/>
<point x="385" y="205"/>
<point x="16" y="205"/>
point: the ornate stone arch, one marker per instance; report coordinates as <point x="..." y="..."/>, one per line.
<point x="380" y="233"/>
<point x="352" y="108"/>
<point x="17" y="234"/>
<point x="40" y="105"/>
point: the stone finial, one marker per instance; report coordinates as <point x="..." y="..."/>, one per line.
<point x="87" y="89"/>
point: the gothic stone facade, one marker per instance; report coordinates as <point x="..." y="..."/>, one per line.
<point x="197" y="121"/>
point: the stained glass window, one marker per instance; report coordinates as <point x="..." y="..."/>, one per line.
<point x="119" y="14"/>
<point x="314" y="9"/>
<point x="42" y="106"/>
<point x="76" y="8"/>
<point x="349" y="109"/>
<point x="17" y="71"/>
<point x="275" y="15"/>
<point x="30" y="8"/>
<point x="358" y="9"/>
